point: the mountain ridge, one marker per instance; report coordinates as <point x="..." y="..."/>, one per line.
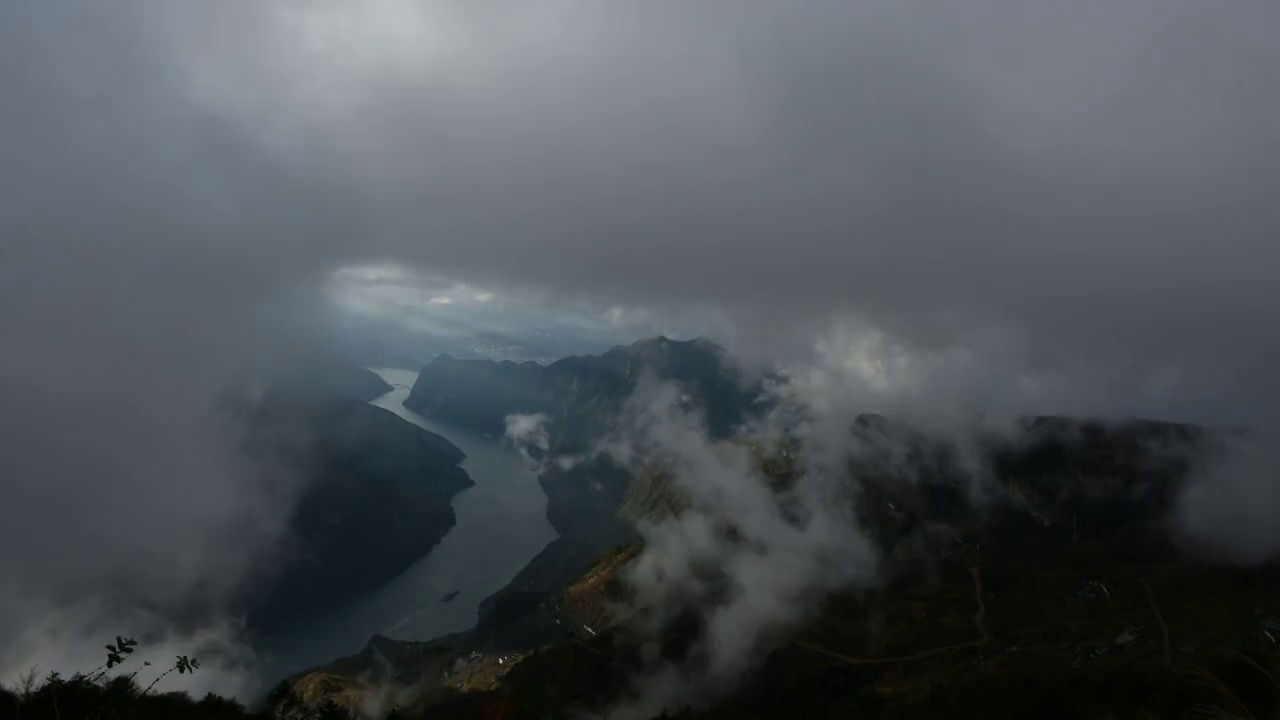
<point x="912" y="646"/>
<point x="577" y="392"/>
<point x="1070" y="503"/>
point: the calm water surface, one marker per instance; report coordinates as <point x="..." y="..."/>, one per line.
<point x="501" y="526"/>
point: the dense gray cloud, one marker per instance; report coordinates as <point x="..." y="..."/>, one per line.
<point x="138" y="276"/>
<point x="1073" y="199"/>
<point x="1092" y="178"/>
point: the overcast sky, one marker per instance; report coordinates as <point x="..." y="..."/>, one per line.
<point x="389" y="313"/>
<point x="1078" y="196"/>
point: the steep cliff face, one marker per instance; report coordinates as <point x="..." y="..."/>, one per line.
<point x="583" y="395"/>
<point x="479" y="394"/>
<point x="375" y="498"/>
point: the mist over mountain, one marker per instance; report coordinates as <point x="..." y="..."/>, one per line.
<point x="558" y="413"/>
<point x="952" y="216"/>
<point x="747" y="555"/>
<point x="580" y="395"/>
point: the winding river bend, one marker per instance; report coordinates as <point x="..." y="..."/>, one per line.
<point x="501" y="526"/>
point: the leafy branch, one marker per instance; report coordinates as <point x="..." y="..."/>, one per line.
<point x="183" y="665"/>
<point x="116" y="655"/>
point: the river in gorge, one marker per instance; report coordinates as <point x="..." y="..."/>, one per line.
<point x="501" y="525"/>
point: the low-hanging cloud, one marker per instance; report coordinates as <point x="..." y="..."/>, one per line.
<point x="747" y="558"/>
<point x="137" y="283"/>
<point x="1072" y="202"/>
<point x="70" y="640"/>
<point x="752" y="557"/>
<point x="1227" y="511"/>
<point x="529" y="435"/>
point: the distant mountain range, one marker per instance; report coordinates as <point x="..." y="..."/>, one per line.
<point x="386" y="343"/>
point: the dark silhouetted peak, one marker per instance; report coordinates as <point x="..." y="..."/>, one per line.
<point x="382" y="644"/>
<point x="663" y="343"/>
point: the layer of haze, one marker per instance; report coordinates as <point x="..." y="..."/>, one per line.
<point x="392" y="313"/>
<point x="1067" y="205"/>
